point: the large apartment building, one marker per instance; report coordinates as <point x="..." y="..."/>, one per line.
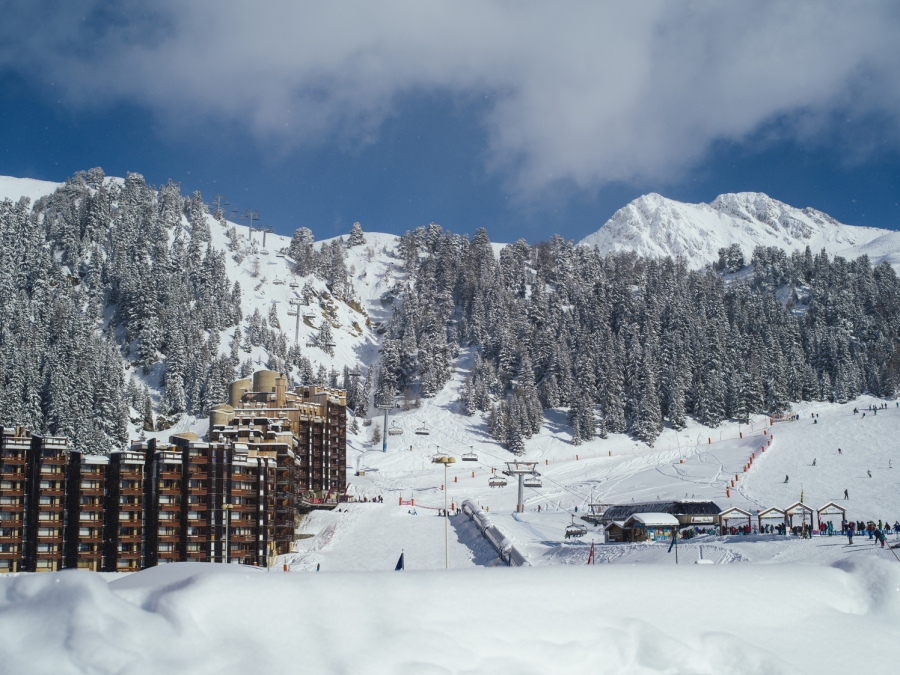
<point x="154" y="503"/>
<point x="304" y="431"/>
<point x="231" y="498"/>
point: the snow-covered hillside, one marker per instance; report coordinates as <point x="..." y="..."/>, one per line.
<point x="15" y="188"/>
<point x="655" y="226"/>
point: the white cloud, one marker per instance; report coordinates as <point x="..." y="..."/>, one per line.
<point x="583" y="93"/>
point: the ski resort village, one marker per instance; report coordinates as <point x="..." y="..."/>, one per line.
<point x="222" y="412"/>
<point x="449" y="338"/>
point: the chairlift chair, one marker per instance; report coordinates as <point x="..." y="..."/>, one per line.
<point x="422" y="431"/>
<point x="292" y="312"/>
<point x="264" y="251"/>
<point x="394" y="430"/>
<point x="497" y="481"/>
<point x="280" y="255"/>
<point x="574" y="530"/>
<point x="294" y="284"/>
<point x="532" y="482"/>
<point x="469" y="457"/>
<point x="278" y="282"/>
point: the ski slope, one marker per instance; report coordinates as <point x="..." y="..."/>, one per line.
<point x="694" y="463"/>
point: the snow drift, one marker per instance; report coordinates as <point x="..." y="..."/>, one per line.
<point x="600" y="619"/>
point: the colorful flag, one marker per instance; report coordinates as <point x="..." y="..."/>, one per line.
<point x="400" y="564"/>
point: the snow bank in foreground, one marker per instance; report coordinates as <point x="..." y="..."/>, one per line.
<point x="601" y="619"/>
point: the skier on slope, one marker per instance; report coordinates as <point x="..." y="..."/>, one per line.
<point x="879" y="537"/>
<point x="786" y="478"/>
<point x="814" y="462"/>
<point x="846" y="495"/>
<point x="840" y="452"/>
<point x="850" y="536"/>
<point x="869" y="472"/>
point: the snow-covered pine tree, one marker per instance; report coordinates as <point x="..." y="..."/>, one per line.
<point x="356" y="237"/>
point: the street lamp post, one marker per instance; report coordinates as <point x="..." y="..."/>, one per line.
<point x="445" y="460"/>
<point x="227" y="508"/>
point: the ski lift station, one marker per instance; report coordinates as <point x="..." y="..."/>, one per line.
<point x="643" y="527"/>
<point x="687" y="512"/>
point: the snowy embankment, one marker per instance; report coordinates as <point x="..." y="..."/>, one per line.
<point x="203" y="618"/>
<point x="492" y="533"/>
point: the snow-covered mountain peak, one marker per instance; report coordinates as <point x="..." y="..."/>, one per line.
<point x="655" y="226"/>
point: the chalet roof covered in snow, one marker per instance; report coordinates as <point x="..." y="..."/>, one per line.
<point x="685" y="508"/>
<point x="654" y="519"/>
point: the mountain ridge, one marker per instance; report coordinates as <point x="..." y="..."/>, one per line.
<point x="656" y="226"/>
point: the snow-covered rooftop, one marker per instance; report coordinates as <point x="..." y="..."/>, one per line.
<point x="655" y="519"/>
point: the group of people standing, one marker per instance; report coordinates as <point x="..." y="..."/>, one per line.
<point x="877" y="531"/>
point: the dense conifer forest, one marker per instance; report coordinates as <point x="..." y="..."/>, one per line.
<point x="108" y="286"/>
<point x="629" y="344"/>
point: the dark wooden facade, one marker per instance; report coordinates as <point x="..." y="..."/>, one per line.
<point x="152" y="504"/>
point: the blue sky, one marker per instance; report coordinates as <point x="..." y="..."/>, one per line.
<point x="505" y="118"/>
